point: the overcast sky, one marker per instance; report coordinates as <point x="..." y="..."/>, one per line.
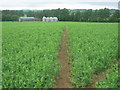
<point x="54" y="4"/>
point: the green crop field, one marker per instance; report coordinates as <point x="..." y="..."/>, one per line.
<point x="111" y="79"/>
<point x="30" y="53"/>
<point x="93" y="48"/>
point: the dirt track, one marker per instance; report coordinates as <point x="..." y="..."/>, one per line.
<point x="96" y="78"/>
<point x="63" y="80"/>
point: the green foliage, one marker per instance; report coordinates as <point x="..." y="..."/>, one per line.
<point x="29" y="54"/>
<point x="101" y="15"/>
<point x="110" y="80"/>
<point x="93" y="47"/>
<point x="30" y="50"/>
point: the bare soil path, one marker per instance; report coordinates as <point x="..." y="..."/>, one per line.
<point x="63" y="80"/>
<point x="96" y="78"/>
<point x="100" y="76"/>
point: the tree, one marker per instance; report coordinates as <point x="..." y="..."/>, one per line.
<point x="115" y="17"/>
<point x="72" y="16"/>
<point x="14" y="18"/>
<point x="101" y="15"/>
<point x="77" y="15"/>
<point x="64" y="15"/>
<point x="86" y="15"/>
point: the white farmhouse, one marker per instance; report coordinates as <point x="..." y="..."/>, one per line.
<point x="49" y="19"/>
<point x="44" y="19"/>
<point x="55" y="19"/>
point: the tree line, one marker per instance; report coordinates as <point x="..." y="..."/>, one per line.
<point x="89" y="15"/>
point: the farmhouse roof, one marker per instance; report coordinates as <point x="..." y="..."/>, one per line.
<point x="27" y="18"/>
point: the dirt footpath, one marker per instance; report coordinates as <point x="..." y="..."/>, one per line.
<point x="63" y="80"/>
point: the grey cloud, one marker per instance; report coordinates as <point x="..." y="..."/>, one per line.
<point x="104" y="3"/>
<point x="112" y="4"/>
<point x="47" y="3"/>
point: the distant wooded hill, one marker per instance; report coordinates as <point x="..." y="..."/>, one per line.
<point x="82" y="15"/>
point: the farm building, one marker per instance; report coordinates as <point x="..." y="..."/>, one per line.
<point x="22" y="19"/>
<point x="49" y="19"/>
